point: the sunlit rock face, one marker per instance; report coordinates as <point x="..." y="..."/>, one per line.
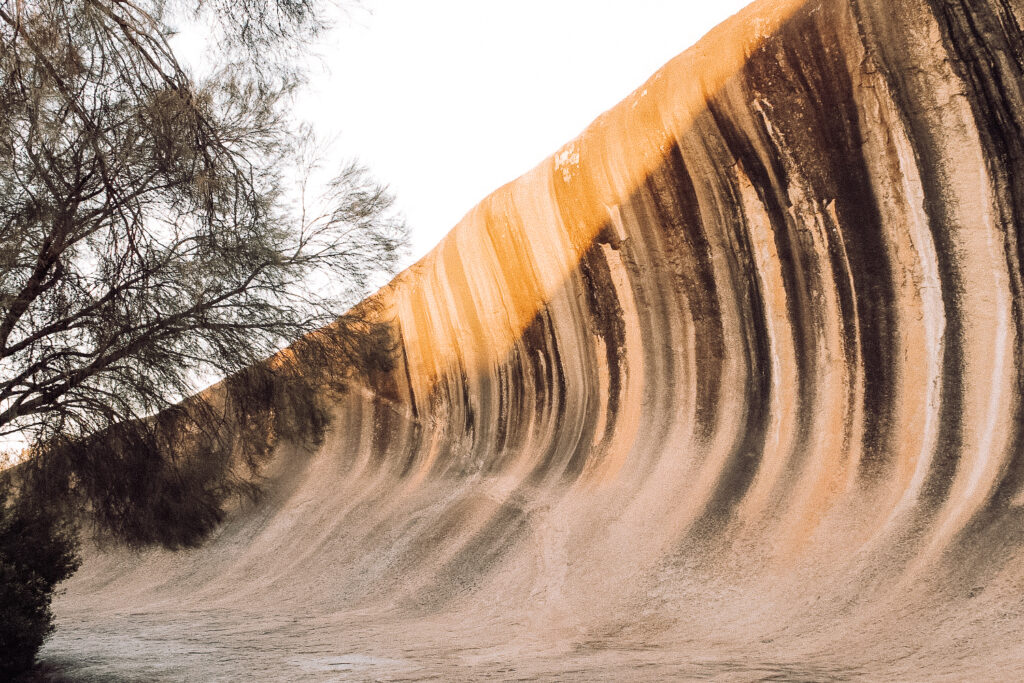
<point x="729" y="386"/>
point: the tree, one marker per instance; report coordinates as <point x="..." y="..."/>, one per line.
<point x="149" y="242"/>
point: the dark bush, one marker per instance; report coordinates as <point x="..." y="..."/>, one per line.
<point x="38" y="550"/>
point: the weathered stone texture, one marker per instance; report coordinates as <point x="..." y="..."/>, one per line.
<point x="735" y="377"/>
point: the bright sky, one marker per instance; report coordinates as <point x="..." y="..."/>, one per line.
<point x="447" y="100"/>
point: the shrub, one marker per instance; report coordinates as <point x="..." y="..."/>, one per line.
<point x="38" y="550"/>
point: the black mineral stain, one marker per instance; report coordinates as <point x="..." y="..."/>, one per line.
<point x="689" y="259"/>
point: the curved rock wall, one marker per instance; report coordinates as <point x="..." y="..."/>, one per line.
<point x="733" y="380"/>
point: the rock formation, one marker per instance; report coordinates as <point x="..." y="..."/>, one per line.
<point x="730" y="386"/>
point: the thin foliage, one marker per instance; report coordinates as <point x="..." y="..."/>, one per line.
<point x="150" y="240"/>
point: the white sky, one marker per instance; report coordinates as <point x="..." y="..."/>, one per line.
<point x="448" y="100"/>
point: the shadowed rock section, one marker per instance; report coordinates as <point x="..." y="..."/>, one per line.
<point x="730" y="386"/>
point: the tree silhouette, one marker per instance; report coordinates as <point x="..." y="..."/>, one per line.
<point x="149" y="242"/>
